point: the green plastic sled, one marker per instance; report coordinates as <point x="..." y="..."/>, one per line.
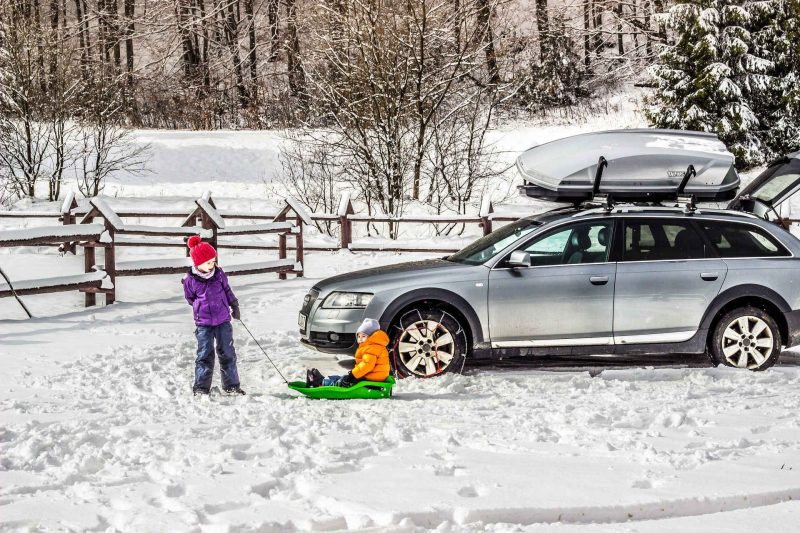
<point x="363" y="390"/>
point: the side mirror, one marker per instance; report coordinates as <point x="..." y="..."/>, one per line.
<point x="519" y="259"/>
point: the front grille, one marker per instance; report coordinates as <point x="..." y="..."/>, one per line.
<point x="345" y="340"/>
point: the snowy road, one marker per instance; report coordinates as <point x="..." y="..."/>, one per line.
<point x="98" y="430"/>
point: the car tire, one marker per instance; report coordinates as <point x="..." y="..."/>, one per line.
<point x="746" y="337"/>
<point x="427" y="342"/>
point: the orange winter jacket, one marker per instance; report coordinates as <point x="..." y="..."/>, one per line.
<point x="372" y="358"/>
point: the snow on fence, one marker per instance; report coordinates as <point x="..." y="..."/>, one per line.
<point x="204" y="220"/>
<point x="91" y="281"/>
<point x="345" y="217"/>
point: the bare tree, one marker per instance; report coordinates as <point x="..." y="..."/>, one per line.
<point x="103" y="149"/>
<point x="25" y="132"/>
<point x="401" y="106"/>
<point x="312" y="174"/>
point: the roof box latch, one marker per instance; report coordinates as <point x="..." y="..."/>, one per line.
<point x="687" y="201"/>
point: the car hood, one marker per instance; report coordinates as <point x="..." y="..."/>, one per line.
<point x="369" y="280"/>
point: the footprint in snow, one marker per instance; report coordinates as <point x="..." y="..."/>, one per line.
<point x="467" y="492"/>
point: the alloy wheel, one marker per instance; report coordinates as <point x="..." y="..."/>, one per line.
<point x="747" y="342"/>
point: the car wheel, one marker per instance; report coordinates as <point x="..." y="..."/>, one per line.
<point x="746" y="337"/>
<point x="428" y="342"/>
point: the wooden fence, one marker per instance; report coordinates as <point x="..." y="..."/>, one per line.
<point x="112" y="232"/>
<point x="79" y="229"/>
<point x="345" y="218"/>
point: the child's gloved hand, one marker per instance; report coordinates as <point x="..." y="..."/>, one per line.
<point x="348" y="380"/>
<point x="235" y="313"/>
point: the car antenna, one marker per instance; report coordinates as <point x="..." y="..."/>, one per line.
<point x="687" y="201"/>
<point x="604" y="199"/>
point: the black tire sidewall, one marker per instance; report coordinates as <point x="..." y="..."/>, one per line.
<point x="718" y="356"/>
<point x="453" y="326"/>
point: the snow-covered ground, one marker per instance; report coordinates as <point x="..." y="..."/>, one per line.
<point x="99" y="430"/>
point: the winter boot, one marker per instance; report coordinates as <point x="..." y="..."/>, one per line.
<point x="314" y="378"/>
<point x="235" y="390"/>
<point x="197" y="391"/>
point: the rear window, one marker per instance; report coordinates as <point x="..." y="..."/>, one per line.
<point x="777" y="181"/>
<point x="658" y="240"/>
<point x="731" y="239"/>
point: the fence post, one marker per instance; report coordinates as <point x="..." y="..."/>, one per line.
<point x="345" y="224"/>
<point x="281" y="242"/>
<point x="110" y="261"/>
<point x="69" y="204"/>
<point x="485" y="213"/>
<point x="89" y="298"/>
<point x="68" y="217"/>
<point x="298" y="245"/>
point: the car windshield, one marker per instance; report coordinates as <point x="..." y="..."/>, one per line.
<point x="489" y="246"/>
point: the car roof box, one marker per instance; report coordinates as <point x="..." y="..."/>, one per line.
<point x="642" y="165"/>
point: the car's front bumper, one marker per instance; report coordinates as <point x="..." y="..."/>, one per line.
<point x="330" y="330"/>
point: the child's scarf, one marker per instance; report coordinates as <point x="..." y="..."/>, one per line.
<point x="204" y="275"/>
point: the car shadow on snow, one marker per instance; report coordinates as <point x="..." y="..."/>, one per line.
<point x="595" y="365"/>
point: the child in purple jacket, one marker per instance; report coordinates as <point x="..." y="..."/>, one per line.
<point x="207" y="290"/>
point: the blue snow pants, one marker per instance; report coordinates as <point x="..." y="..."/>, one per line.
<point x="204" y="364"/>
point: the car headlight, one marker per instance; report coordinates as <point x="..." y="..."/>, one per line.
<point x="347" y="300"/>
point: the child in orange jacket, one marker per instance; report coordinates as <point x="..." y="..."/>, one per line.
<point x="372" y="359"/>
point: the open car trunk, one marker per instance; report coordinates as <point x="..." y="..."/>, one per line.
<point x="642" y="165"/>
<point x="779" y="182"/>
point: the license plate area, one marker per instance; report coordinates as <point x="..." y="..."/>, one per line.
<point x="301" y="321"/>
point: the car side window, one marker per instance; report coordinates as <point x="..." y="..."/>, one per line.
<point x="731" y="239"/>
<point x="575" y="244"/>
<point x="661" y="240"/>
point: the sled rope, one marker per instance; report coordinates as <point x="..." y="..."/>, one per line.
<point x="263" y="350"/>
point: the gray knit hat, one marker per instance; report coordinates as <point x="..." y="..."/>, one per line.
<point x="369" y="326"/>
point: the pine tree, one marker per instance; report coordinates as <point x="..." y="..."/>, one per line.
<point x="702" y="80"/>
<point x="775" y="29"/>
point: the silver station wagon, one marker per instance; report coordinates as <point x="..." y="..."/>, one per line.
<point x="601" y="278"/>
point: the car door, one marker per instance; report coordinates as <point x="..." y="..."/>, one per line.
<point x="565" y="298"/>
<point x="666" y="278"/>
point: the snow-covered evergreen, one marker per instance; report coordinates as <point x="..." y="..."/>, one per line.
<point x="734" y="70"/>
<point x="703" y="80"/>
<point x="775" y="27"/>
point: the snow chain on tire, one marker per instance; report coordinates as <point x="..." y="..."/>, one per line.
<point x="412" y="319"/>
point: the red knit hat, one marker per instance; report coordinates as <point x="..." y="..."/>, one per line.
<point x="199" y="250"/>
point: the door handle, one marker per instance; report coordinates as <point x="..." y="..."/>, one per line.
<point x="598" y="280"/>
<point x="709" y="276"/>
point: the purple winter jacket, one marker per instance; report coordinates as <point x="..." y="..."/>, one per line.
<point x="211" y="299"/>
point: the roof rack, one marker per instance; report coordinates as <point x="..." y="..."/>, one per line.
<point x="686" y="201"/>
<point x="603" y="199"/>
<point x="606" y="200"/>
